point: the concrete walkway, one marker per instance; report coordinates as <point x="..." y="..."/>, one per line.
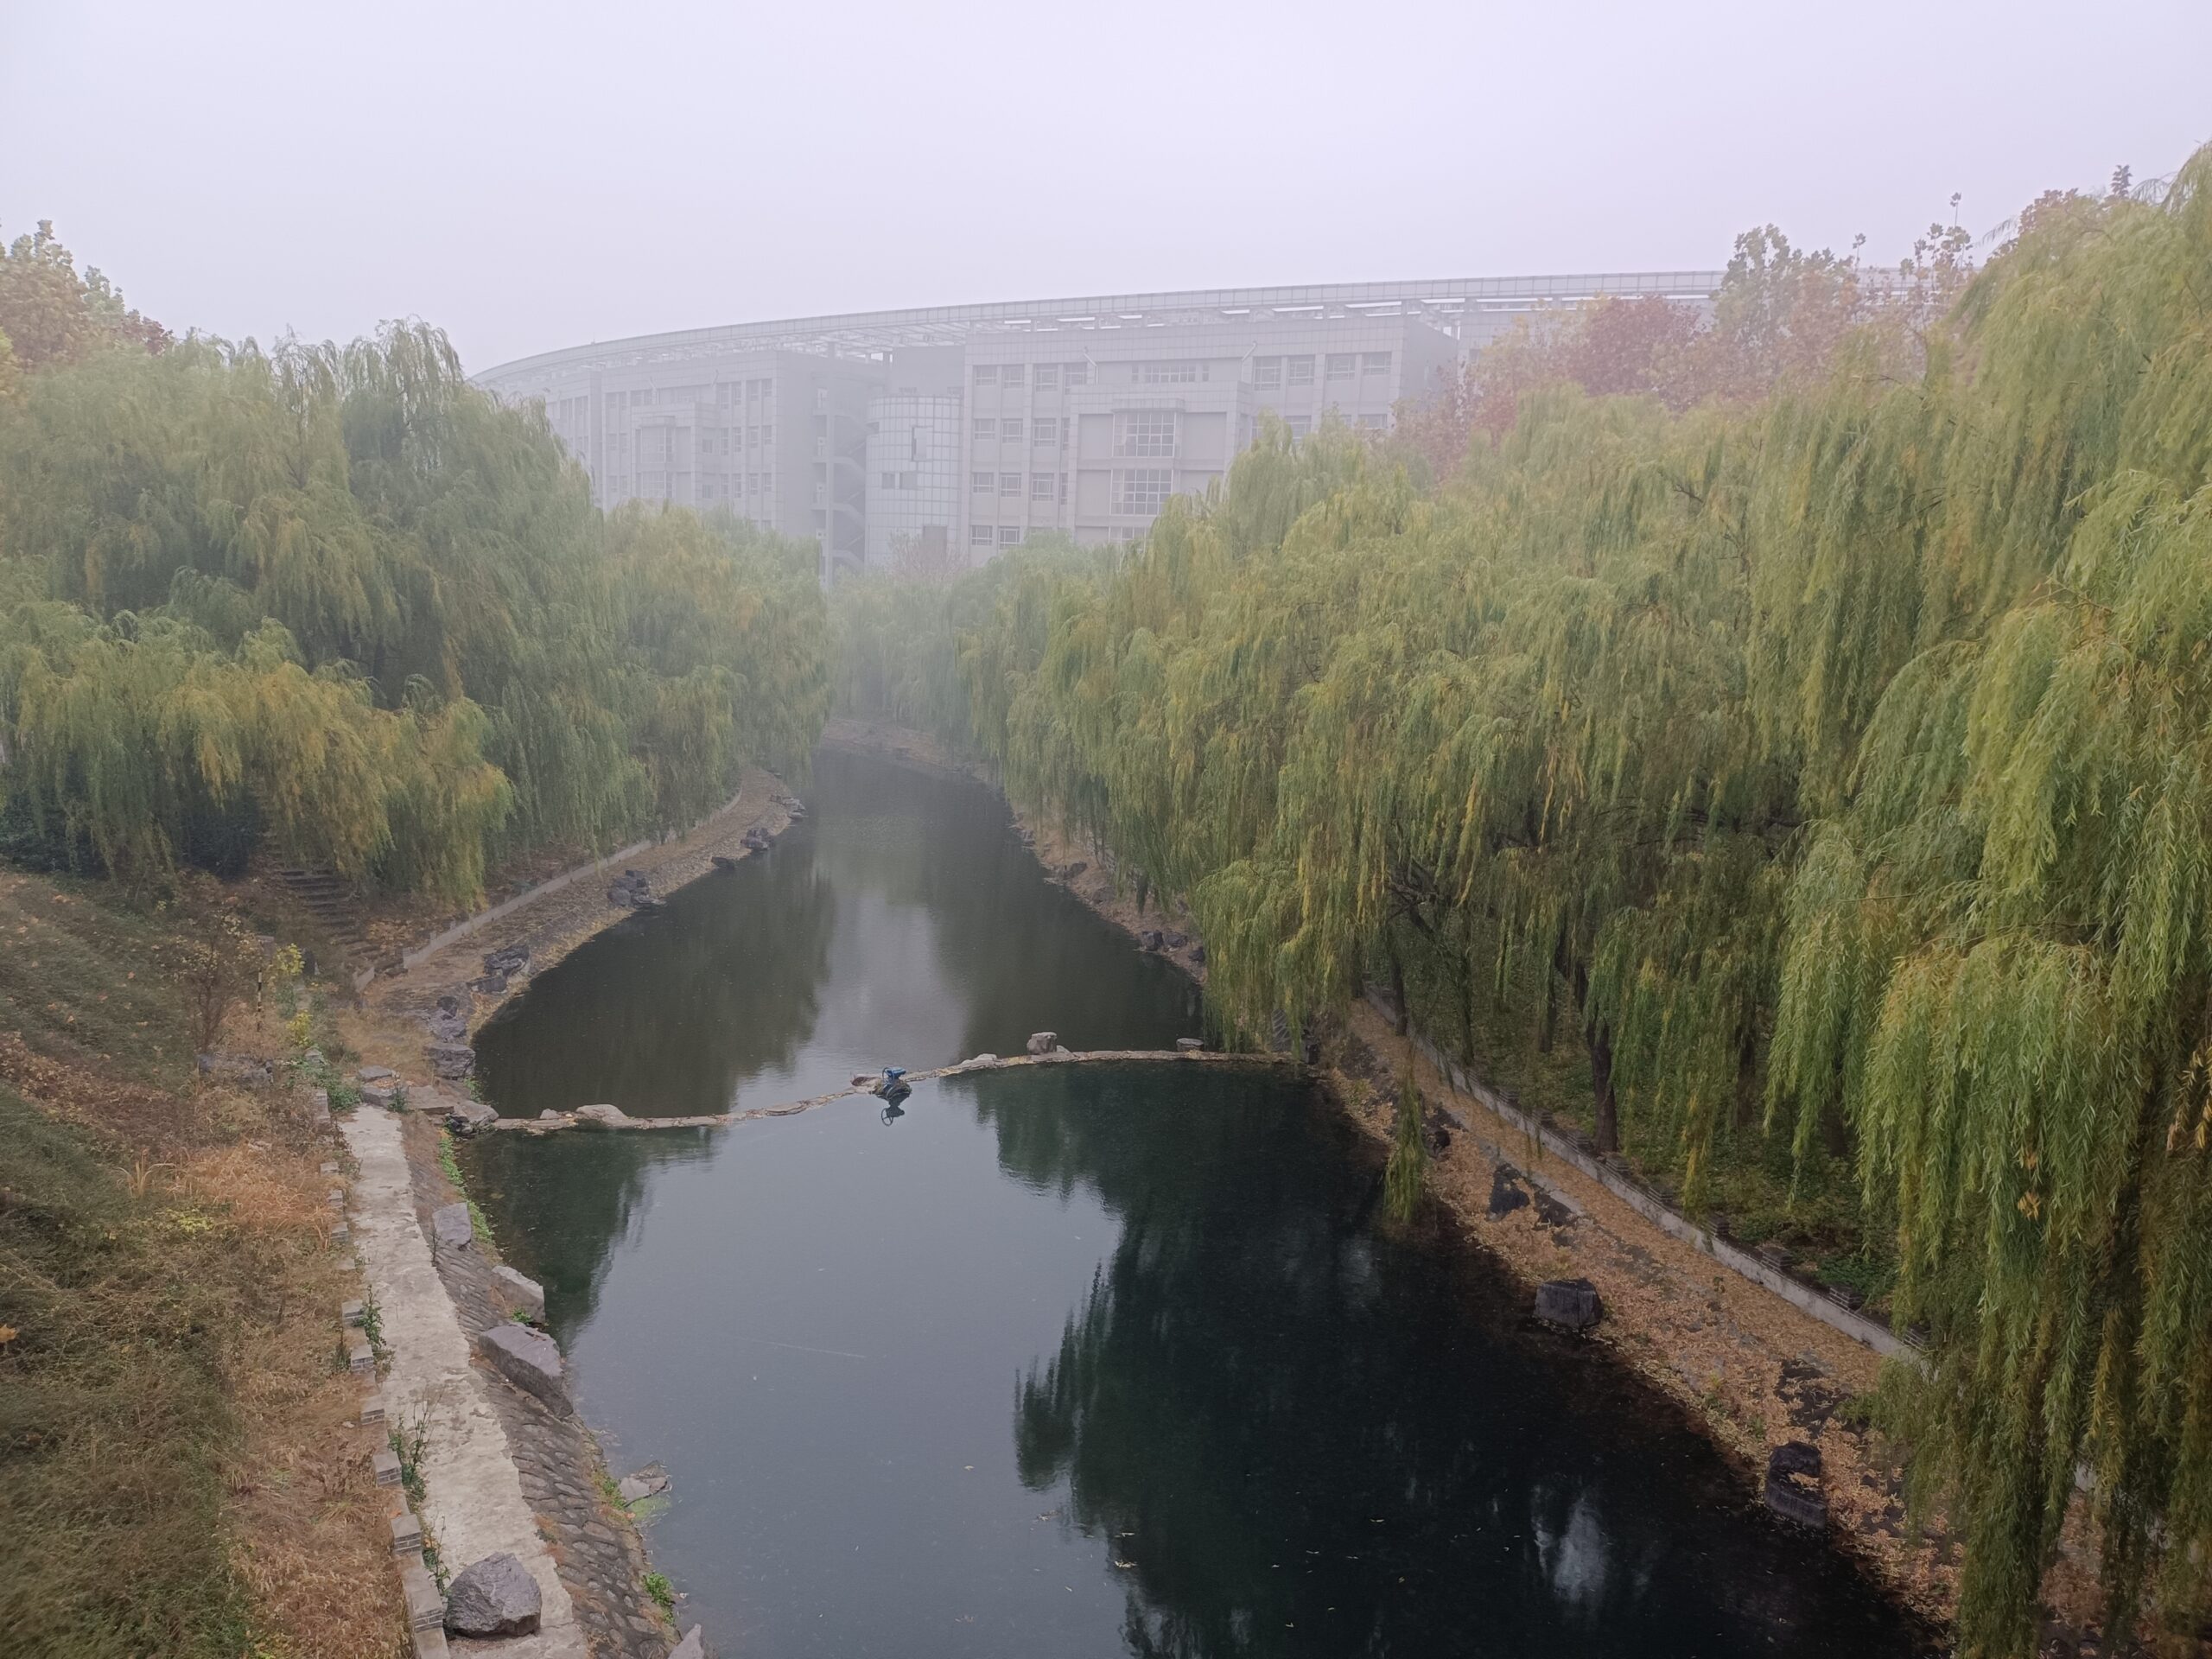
<point x="474" y="1505"/>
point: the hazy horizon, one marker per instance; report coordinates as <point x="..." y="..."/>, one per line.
<point x="528" y="180"/>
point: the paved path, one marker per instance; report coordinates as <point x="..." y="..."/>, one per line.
<point x="474" y="1505"/>
<point x="610" y="1117"/>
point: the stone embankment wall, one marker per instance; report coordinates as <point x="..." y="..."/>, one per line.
<point x="480" y="1404"/>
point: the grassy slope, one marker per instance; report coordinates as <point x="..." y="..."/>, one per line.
<point x="173" y="1456"/>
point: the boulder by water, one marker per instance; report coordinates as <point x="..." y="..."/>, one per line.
<point x="528" y="1359"/>
<point x="451" y="1228"/>
<point x="465" y="1117"/>
<point x="1792" y="1484"/>
<point x="1042" y="1042"/>
<point x="493" y="1597"/>
<point x="519" y="1293"/>
<point x="451" y="1061"/>
<point x="1570" y="1304"/>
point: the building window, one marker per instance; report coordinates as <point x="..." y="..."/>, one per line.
<point x="1045" y="431"/>
<point x="1342" y="364"/>
<point x="1078" y="374"/>
<point x="1376" y="363"/>
<point x="980" y="535"/>
<point x="986" y="429"/>
<point x="1010" y="428"/>
<point x="1013" y="376"/>
<point x="1040" y="486"/>
<point x="906" y="481"/>
<point x="1299" y="425"/>
<point x="1267" y="372"/>
<point x="1009" y="483"/>
<point x="640" y="399"/>
<point x="1143" y="490"/>
<point x="768" y="433"/>
<point x="980" y="482"/>
<point x="1297" y="370"/>
<point x="1373" y="423"/>
<point x="1048" y="377"/>
<point x="1144" y="432"/>
<point x="1009" y="534"/>
<point x="986" y="374"/>
<point x="891" y="480"/>
<point x="1168" y="374"/>
<point x="822" y="399"/>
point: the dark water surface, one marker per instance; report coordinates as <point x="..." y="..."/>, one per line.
<point x="1087" y="1360"/>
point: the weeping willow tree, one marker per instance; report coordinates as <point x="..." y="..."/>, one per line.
<point x="1998" y="959"/>
<point x="1834" y="766"/>
<point x="340" y="602"/>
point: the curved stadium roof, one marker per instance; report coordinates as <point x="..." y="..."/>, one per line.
<point x="1445" y="300"/>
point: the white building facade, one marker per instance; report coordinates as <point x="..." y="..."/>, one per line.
<point x="950" y="434"/>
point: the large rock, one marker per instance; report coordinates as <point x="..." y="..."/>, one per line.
<point x="1042" y="1042"/>
<point x="1571" y="1304"/>
<point x="375" y="1074"/>
<point x="467" y="1116"/>
<point x="693" y="1646"/>
<point x="519" y="1293"/>
<point x="1792" y="1484"/>
<point x="513" y="961"/>
<point x="607" y="1117"/>
<point x="451" y="1061"/>
<point x="648" y="1482"/>
<point x="452" y="1228"/>
<point x="1190" y="1044"/>
<point x="631" y="890"/>
<point x="528" y="1359"/>
<point x="493" y="1597"/>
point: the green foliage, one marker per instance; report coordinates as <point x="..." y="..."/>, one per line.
<point x="1816" y="784"/>
<point x="342" y="603"/>
<point x="662" y="1591"/>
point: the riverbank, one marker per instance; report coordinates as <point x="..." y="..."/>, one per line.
<point x="1752" y="1369"/>
<point x="500" y="1469"/>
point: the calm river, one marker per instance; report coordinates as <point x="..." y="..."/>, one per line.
<point x="1076" y="1362"/>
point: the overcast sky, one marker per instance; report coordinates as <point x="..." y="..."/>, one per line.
<point x="540" y="174"/>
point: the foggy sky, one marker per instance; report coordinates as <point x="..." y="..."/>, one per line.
<point x="535" y="175"/>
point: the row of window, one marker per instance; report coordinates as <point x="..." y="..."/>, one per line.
<point x="1049" y="376"/>
<point x="985" y="536"/>
<point x="1143" y="490"/>
<point x="1144" y="432"/>
<point x="1045" y="431"/>
<point x="1042" y="486"/>
<point x="1269" y="373"/>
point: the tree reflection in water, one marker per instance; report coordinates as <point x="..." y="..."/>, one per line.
<point x="1306" y="1433"/>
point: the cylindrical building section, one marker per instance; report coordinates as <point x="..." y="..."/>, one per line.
<point x="914" y="482"/>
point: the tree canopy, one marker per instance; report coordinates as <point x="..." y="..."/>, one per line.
<point x="338" y="600"/>
<point x="1822" y="742"/>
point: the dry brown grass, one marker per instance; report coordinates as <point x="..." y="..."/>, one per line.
<point x="175" y="1423"/>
